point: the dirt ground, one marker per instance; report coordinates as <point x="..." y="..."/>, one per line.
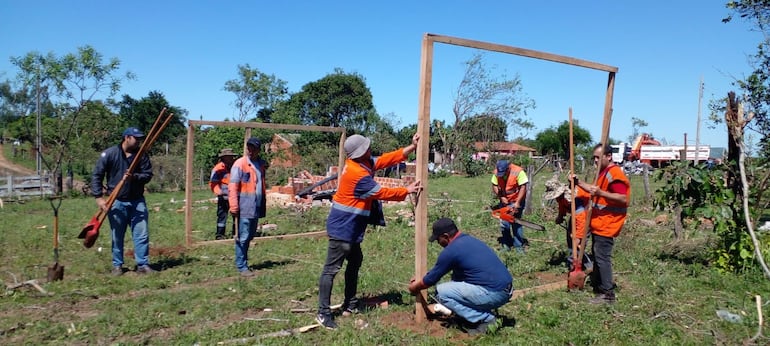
<point x="7" y="167"/>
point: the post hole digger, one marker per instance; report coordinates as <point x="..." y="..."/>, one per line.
<point x="56" y="270"/>
<point x="576" y="278"/>
<point x="91" y="231"/>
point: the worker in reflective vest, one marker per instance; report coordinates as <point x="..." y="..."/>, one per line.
<point x="610" y="197"/>
<point x="509" y="184"/>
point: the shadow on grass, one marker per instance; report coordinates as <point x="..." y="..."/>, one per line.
<point x="269" y="264"/>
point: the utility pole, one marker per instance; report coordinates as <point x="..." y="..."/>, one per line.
<point x="697" y="126"/>
<point x="38" y="144"/>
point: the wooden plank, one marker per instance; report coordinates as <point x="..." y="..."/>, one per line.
<point x="266" y="238"/>
<point x="421" y="207"/>
<point x="561" y="284"/>
<point x="521" y="52"/>
<point x="255" y="125"/>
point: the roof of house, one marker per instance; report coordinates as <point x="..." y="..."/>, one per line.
<point x="501" y="146"/>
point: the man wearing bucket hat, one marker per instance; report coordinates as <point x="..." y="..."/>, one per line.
<point x="247" y="199"/>
<point x="555" y="190"/>
<point x="480" y="281"/>
<point x="355" y="205"/>
<point x="220" y="178"/>
<point x="509" y="184"/>
<point x="129" y="207"/>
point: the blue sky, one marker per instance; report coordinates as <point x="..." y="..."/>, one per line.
<point x="188" y="49"/>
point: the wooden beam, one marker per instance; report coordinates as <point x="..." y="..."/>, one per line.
<point x="561" y="284"/>
<point x="421" y="207"/>
<point x="521" y="52"/>
<point x="255" y="125"/>
<point x="266" y="238"/>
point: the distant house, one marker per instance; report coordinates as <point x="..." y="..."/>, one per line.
<point x="486" y="149"/>
<point x="282" y="146"/>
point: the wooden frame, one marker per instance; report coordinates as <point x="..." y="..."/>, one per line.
<point x="248" y="125"/>
<point x="423" y="127"/>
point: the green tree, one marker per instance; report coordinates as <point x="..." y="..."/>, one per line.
<point x="256" y="93"/>
<point x="555" y="140"/>
<point x="68" y="83"/>
<point x="485" y="128"/>
<point x="143" y="112"/>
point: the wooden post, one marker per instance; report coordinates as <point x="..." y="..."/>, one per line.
<point x="421" y="207"/>
<point x="189" y="185"/>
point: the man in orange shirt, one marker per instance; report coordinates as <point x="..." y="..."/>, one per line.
<point x="220" y="178"/>
<point x="610" y="198"/>
<point x="356" y="204"/>
<point x="554" y="190"/>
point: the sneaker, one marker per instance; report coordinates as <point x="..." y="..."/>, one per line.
<point x="326" y="320"/>
<point x="603" y="298"/>
<point x="220" y="237"/>
<point x="117" y="271"/>
<point x="505" y="248"/>
<point x="490" y="326"/>
<point x="145" y="269"/>
<point x="247" y="273"/>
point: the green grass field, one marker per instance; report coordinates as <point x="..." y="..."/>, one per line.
<point x="198" y="298"/>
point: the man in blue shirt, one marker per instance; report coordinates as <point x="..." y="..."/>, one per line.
<point x="480" y="281"/>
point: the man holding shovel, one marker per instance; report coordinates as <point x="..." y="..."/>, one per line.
<point x="610" y="197"/>
<point x="129" y="207"/>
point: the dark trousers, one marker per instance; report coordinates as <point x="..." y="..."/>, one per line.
<point x="601" y="277"/>
<point x="336" y="254"/>
<point x="223" y="210"/>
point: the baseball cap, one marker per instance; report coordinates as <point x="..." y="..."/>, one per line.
<point x="134" y="132"/>
<point x="442" y="226"/>
<point x="356" y="146"/>
<point x="502" y="167"/>
<point x="253" y="141"/>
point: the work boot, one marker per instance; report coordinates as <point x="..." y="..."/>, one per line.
<point x="247" y="273"/>
<point x="220" y="233"/>
<point x="603" y="298"/>
<point x="117" y="271"/>
<point x="145" y="269"/>
<point x="490" y="327"/>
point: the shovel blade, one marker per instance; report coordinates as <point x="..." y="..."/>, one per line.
<point x="576" y="280"/>
<point x="55" y="272"/>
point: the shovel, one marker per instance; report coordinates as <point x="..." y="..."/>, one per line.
<point x="91" y="230"/>
<point x="576" y="278"/>
<point x="55" y="271"/>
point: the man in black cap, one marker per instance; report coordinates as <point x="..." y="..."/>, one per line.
<point x="509" y="184"/>
<point x="480" y="281"/>
<point x="248" y="202"/>
<point x="129" y="207"/>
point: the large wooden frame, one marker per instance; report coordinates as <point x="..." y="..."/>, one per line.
<point x="248" y="125"/>
<point x="423" y="128"/>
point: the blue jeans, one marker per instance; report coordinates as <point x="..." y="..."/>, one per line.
<point x="337" y="252"/>
<point x="247" y="229"/>
<point x="471" y="302"/>
<point x="516" y="240"/>
<point x="121" y="215"/>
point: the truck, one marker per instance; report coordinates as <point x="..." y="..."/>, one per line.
<point x="648" y="150"/>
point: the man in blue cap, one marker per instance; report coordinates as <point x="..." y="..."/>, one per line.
<point x="248" y="202"/>
<point x="129" y="206"/>
<point x="509" y="184"/>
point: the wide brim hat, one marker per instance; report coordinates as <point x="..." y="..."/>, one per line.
<point x="356" y="146"/>
<point x="554" y="189"/>
<point x="226" y="152"/>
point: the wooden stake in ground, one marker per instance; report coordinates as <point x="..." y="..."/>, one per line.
<point x="576" y="278"/>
